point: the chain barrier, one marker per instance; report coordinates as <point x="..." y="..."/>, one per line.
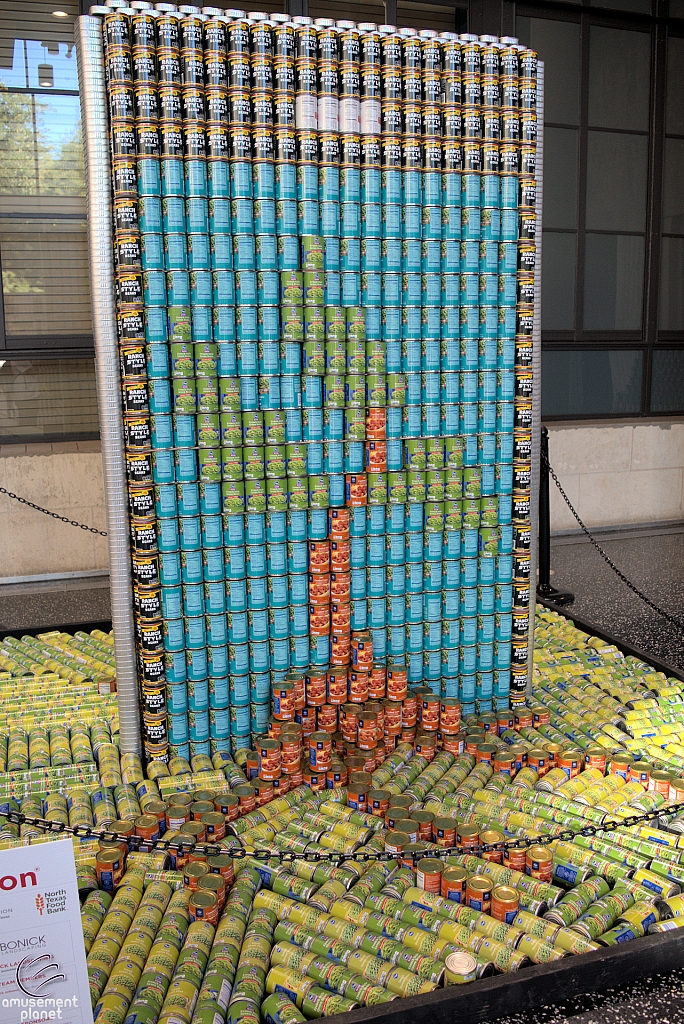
<point x="53" y="515"/>
<point x="139" y="844"/>
<point x="635" y="590"/>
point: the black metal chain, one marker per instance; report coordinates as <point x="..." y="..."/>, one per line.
<point x="53" y="515"/>
<point x="635" y="590"/>
<point x="237" y="852"/>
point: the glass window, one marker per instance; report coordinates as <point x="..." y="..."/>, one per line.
<point x="46" y="399"/>
<point x="558" y="281"/>
<point x="667" y="381"/>
<point x="613" y="282"/>
<point x="616" y="181"/>
<point x="673" y="187"/>
<point x="635" y="6"/>
<point x="619" y="78"/>
<point x="591" y="382"/>
<point x="674" y="105"/>
<point x="558" y="45"/>
<point x="560" y="178"/>
<point x="671" y="316"/>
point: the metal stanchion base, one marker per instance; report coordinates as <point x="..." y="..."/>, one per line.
<point x="548" y="593"/>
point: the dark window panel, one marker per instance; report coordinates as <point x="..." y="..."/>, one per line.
<point x="671" y="314"/>
<point x="674" y="104"/>
<point x="667" y="381"/>
<point x="673" y="187"/>
<point x="591" y="382"/>
<point x="619" y="77"/>
<point x="47" y="398"/>
<point x="558" y="44"/>
<point x="613" y="282"/>
<point x="633" y="6"/>
<point x="560" y="177"/>
<point x="616" y="181"/>
<point x="558" y="281"/>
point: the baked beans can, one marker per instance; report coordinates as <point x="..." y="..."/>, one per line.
<point x="453" y="884"/>
<point x="479" y="893"/>
<point x="429" y="874"/>
<point x="504" y="906"/>
<point x="539" y="863"/>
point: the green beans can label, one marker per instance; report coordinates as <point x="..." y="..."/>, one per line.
<point x="356" y="322"/>
<point x="335" y="324"/>
<point x="333" y="391"/>
<point x="209" y="464"/>
<point x="415" y="455"/>
<point x="233" y="496"/>
<point x="453" y="515"/>
<point x="416" y="486"/>
<point x="275" y="461"/>
<point x="453" y="484"/>
<point x="434" y="516"/>
<point x="207" y="394"/>
<point x="312" y="252"/>
<point x="208" y="429"/>
<point x="314" y="290"/>
<point x="314" y="353"/>
<point x="453" y="451"/>
<point x="231" y="459"/>
<point x="396" y="390"/>
<point x="377" y="488"/>
<point x="434" y="485"/>
<point x="253" y="462"/>
<point x="355" y="391"/>
<point x="472" y="482"/>
<point x="298" y="492"/>
<point x="314" y="331"/>
<point x="292" y="323"/>
<point x="489" y="511"/>
<point x="355" y="424"/>
<point x="255" y="495"/>
<point x="274" y="426"/>
<point x="396" y="488"/>
<point x="376" y="394"/>
<point x="296" y="460"/>
<point x="253" y="427"/>
<point x="276" y="494"/>
<point x="318" y="492"/>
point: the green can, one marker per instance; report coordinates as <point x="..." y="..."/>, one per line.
<point x="376" y="392"/>
<point x="377" y="488"/>
<point x="231" y="427"/>
<point x="274" y="426"/>
<point x="453" y="452"/>
<point x="355" y="350"/>
<point x="433" y="516"/>
<point x="489" y="542"/>
<point x="396" y="390"/>
<point x="314" y="288"/>
<point x="275" y="461"/>
<point x="314" y="327"/>
<point x="295" y="455"/>
<point x="207" y="394"/>
<point x="291" y="288"/>
<point x="434" y="452"/>
<point x="253" y="462"/>
<point x="471" y="513"/>
<point x="253" y="427"/>
<point x="333" y="391"/>
<point x="208" y="429"/>
<point x="318" y="492"/>
<point x="292" y="323"/>
<point x="276" y="494"/>
<point x="313" y="247"/>
<point x="206" y="359"/>
<point x="396" y="488"/>
<point x="231" y="462"/>
<point x="376" y="360"/>
<point x="414" y="455"/>
<point x="472" y="482"/>
<point x="233" y="496"/>
<point x="489" y="511"/>
<point x="453" y="484"/>
<point x="229" y="393"/>
<point x="416" y="484"/>
<point x="453" y="515"/>
<point x="313" y="355"/>
<point x="355" y="391"/>
<point x="356" y="322"/>
<point x="335" y="324"/>
<point x="298" y="492"/>
<point x="434" y="479"/>
<point x="355" y="424"/>
<point x="180" y="324"/>
<point x="184" y="395"/>
<point x="182" y="359"/>
<point x="209" y="465"/>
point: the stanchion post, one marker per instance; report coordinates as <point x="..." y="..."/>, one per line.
<point x="89" y="51"/>
<point x="544" y="589"/>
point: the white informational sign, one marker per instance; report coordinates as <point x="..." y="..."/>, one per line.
<point x="43" y="975"/>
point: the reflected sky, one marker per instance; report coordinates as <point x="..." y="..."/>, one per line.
<point x="30" y="53"/>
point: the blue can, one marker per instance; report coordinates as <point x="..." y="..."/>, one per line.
<point x="246" y="323"/>
<point x="491" y="223"/>
<point x="412" y="221"/>
<point x="172" y="600"/>
<point x="470" y="223"/>
<point x="433" y="219"/>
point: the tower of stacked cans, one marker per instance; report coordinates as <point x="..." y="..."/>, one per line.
<point x="324" y="252"/>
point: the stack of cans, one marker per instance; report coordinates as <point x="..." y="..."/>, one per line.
<point x="325" y="252"/>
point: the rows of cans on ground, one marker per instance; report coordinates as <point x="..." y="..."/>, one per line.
<point x="137" y="390"/>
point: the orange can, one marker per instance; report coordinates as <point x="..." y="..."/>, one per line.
<point x="541" y="716"/>
<point x="377" y="684"/>
<point x="306" y="719"/>
<point x="356" y="489"/>
<point x="514" y="857"/>
<point x="392" y="714"/>
<point x="524" y="719"/>
<point x="147" y="827"/>
<point x="319" y="556"/>
<point x="453" y="743"/>
<point x="357" y="796"/>
<point x="357" y="686"/>
<point x="340" y="554"/>
<point x="450" y="715"/>
<point x="338" y="523"/>
<point x="367" y="730"/>
<point x="397" y="682"/>
<point x="378" y="802"/>
<point x="362" y="651"/>
<point x="409" y="711"/>
<point x="316" y="687"/>
<point x="429" y="874"/>
<point x="340" y="617"/>
<point x="504" y="903"/>
<point x="349" y="721"/>
<point x="538" y="759"/>
<point x="454" y="884"/>
<point x="192" y="874"/>
<point x="319" y="619"/>
<point x="479" y="893"/>
<point x="327" y="718"/>
<point x="376" y="424"/>
<point x="340" y="587"/>
<point x="215" y="826"/>
<point x="270" y="765"/>
<point x="426" y="745"/>
<point x="376" y="456"/>
<point x="429" y="712"/>
<point x="337" y="685"/>
<point x="283" y="701"/>
<point x="320" y="751"/>
<point x="340" y="653"/>
<point x="539" y="863"/>
<point x="263" y="791"/>
<point x="571" y="762"/>
<point x="490" y="837"/>
<point x="319" y="589"/>
<point x="504" y="720"/>
<point x="291" y="749"/>
<point x="281" y="786"/>
<point x="444" y="831"/>
<point x="595" y="757"/>
<point x="468" y="838"/>
<point x="246" y="798"/>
